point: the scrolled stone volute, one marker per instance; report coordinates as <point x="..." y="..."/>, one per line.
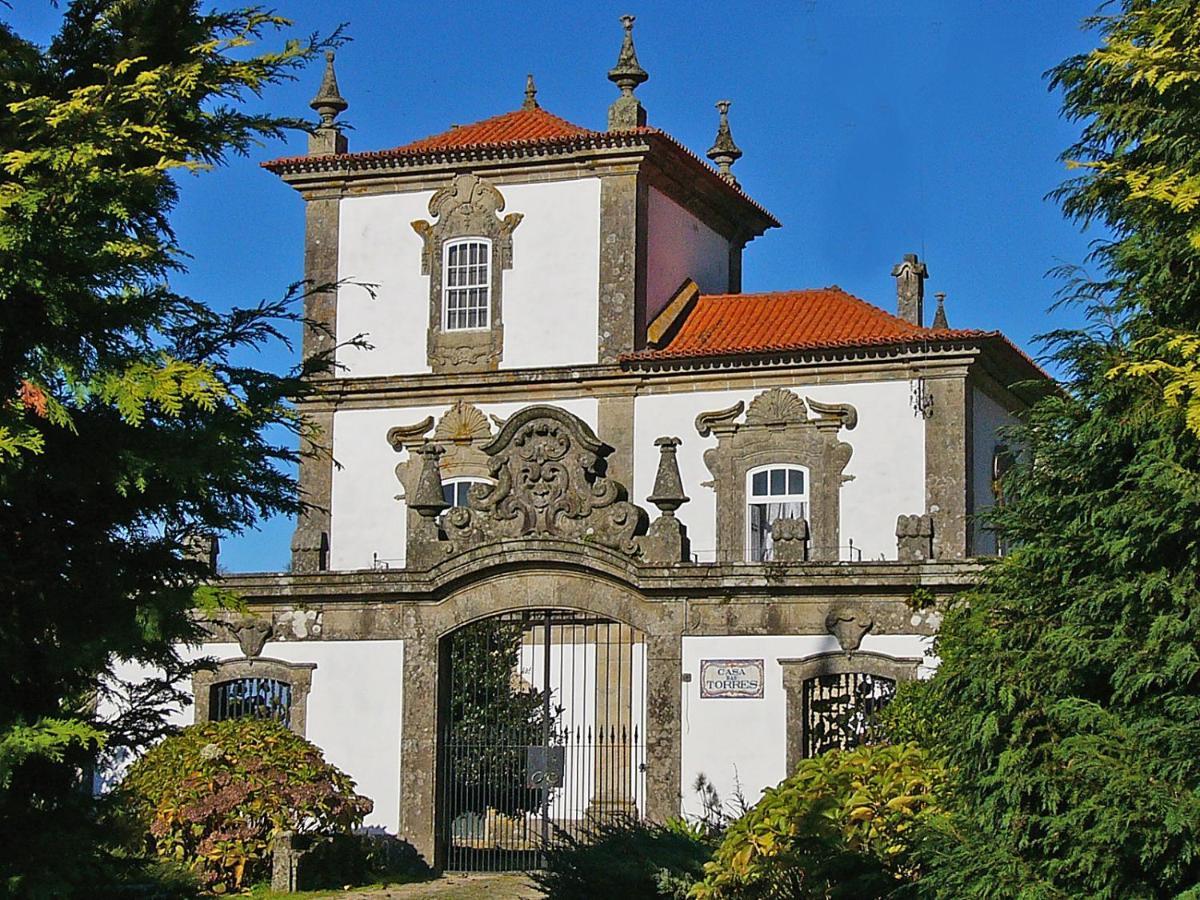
<point x="668" y="493"/>
<point x="914" y="538"/>
<point x="789" y="539"/>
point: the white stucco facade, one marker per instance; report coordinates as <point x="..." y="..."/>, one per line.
<point x="679" y="246"/>
<point x="550" y="296"/>
<point x="368" y="513"/>
<point x="353" y="712"/>
<point x="887" y="468"/>
<point x="743" y="741"/>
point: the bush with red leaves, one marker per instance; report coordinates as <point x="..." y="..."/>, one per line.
<point x="216" y="795"/>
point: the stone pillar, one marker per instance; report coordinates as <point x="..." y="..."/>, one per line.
<point x="310" y="540"/>
<point x="663" y="736"/>
<point x="418" y="745"/>
<point x="948" y="462"/>
<point x="614" y="423"/>
<point x="623" y="201"/>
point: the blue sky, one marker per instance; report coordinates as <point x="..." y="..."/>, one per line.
<point x="870" y="128"/>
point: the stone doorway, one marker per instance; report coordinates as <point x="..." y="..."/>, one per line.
<point x="541" y="735"/>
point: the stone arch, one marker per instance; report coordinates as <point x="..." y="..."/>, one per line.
<point x="553" y="583"/>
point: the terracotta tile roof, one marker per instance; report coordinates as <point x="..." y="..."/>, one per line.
<point x="522" y="125"/>
<point x="519" y="134"/>
<point x="736" y="324"/>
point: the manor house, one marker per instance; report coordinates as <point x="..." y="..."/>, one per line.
<point x="590" y="521"/>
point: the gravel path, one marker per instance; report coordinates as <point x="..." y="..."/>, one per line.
<point x="458" y="887"/>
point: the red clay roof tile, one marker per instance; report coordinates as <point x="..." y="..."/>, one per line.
<point x="734" y="324"/>
<point x="521" y="125"/>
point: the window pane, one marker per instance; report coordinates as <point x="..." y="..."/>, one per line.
<point x="795" y="481"/>
<point x="448" y="493"/>
<point x="760" y="484"/>
<point x="778" y="481"/>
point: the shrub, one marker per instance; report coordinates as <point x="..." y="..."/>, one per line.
<point x="841" y="826"/>
<point x="216" y="795"/>
<point x="629" y="859"/>
<point x="359" y="859"/>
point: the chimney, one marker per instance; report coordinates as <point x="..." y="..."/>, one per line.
<point x="910" y="278"/>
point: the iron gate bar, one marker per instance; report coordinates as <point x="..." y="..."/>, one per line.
<point x="589" y="713"/>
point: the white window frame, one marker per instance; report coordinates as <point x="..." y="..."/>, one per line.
<point x="752" y="500"/>
<point x="483" y="284"/>
<point x="464" y="479"/>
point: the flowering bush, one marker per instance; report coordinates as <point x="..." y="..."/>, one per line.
<point x="841" y="827"/>
<point x="217" y="794"/>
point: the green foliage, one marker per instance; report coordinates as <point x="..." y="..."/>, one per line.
<point x="129" y="421"/>
<point x="492" y="720"/>
<point x="1068" y="697"/>
<point x="216" y="795"/>
<point x="840" y="827"/>
<point x="631" y="859"/>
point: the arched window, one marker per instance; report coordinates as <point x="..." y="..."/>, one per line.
<point x="772" y="492"/>
<point x="255" y="698"/>
<point x="455" y="490"/>
<point x="467" y="283"/>
<point x="254" y="686"/>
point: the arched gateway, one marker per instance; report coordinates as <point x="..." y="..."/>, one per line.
<point x="541" y="734"/>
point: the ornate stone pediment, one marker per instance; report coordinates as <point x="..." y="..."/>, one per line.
<point x="778" y="430"/>
<point x="467" y="207"/>
<point x="548" y="472"/>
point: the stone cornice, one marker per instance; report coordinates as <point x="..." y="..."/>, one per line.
<point x="794" y="581"/>
<point x="691" y="182"/>
<point x="683" y="376"/>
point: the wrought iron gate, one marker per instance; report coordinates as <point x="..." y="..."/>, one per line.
<point x="540" y="736"/>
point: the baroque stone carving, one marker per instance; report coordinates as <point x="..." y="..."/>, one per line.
<point x="848" y="624"/>
<point x="253" y="636"/>
<point x="467" y="207"/>
<point x="548" y="469"/>
<point x="777" y="429"/>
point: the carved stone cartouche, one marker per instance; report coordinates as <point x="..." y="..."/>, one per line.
<point x="548" y="472"/>
<point x="848" y="624"/>
<point x="789" y="538"/>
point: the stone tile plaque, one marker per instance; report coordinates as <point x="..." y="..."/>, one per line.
<point x="740" y="679"/>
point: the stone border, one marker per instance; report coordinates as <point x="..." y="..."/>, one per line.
<point x="297" y="675"/>
<point x="798" y="671"/>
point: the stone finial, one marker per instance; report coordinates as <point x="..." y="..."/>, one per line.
<point x="329" y="101"/>
<point x="328" y="137"/>
<point x="914" y="538"/>
<point x="530" y="93"/>
<point x="668" y="493"/>
<point x="910" y="275"/>
<point x="724" y="152"/>
<point x="939" y="317"/>
<point x="627" y="112"/>
<point x="789" y="540"/>
<point x="426" y="497"/>
<point x="202" y="547"/>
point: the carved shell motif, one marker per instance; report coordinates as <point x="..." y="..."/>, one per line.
<point x="776" y="407"/>
<point x="462" y="423"/>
